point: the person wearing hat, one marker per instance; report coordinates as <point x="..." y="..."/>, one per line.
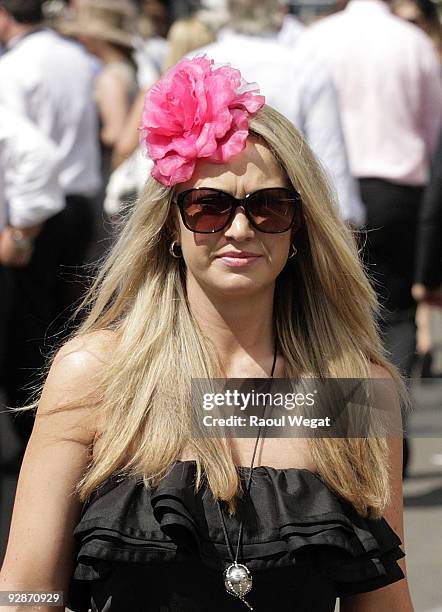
<point x="106" y="28"/>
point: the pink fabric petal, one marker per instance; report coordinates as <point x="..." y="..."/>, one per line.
<point x="207" y="143"/>
<point x="173" y="169"/>
<point x="235" y="140"/>
<point x="230" y="74"/>
<point x="158" y="146"/>
<point x="251" y="102"/>
<point x="170" y="162"/>
<point x="220" y="92"/>
<point x="186" y="144"/>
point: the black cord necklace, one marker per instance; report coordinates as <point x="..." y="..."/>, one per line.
<point x="237" y="577"/>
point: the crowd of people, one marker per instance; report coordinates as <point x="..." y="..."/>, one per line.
<point x="363" y="85"/>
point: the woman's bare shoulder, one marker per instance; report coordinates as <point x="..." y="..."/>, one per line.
<point x="84" y="355"/>
<point x="74" y="377"/>
<point x="88" y="350"/>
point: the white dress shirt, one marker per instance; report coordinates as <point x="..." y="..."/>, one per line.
<point x="290" y="31"/>
<point x="29" y="188"/>
<point x="49" y="80"/>
<point x="303" y="93"/>
<point x="388" y="80"/>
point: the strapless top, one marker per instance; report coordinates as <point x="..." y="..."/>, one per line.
<point x="163" y="549"/>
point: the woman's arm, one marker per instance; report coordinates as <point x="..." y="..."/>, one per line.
<point x="40" y="551"/>
<point x="395" y="597"/>
<point x="112" y="96"/>
<point x="129" y="138"/>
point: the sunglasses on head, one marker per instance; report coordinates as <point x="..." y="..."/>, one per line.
<point x="273" y="210"/>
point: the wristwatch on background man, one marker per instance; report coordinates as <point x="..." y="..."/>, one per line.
<point x="21" y="241"/>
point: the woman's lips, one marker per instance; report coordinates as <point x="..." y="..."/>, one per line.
<point x="238" y="259"/>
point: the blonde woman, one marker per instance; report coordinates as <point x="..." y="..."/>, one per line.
<point x="234" y="263"/>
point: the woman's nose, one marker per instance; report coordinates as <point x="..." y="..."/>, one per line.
<point x="239" y="228"/>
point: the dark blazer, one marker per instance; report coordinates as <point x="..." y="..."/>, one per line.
<point x="428" y="269"/>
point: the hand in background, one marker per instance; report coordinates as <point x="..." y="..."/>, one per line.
<point x="429" y="295"/>
<point x="16" y="245"/>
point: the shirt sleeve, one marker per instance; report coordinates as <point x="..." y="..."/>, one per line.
<point x="321" y="124"/>
<point x="12" y="89"/>
<point x="31" y="188"/>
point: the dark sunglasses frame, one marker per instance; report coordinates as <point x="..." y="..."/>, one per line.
<point x="244" y="202"/>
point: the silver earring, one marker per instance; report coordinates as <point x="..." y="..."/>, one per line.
<point x="293" y="250"/>
<point x="174" y="252"/>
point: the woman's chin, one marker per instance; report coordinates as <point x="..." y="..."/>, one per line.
<point x="239" y="285"/>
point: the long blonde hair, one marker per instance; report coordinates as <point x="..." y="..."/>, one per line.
<point x="324" y="322"/>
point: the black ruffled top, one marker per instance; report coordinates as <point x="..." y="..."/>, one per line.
<point x="164" y="550"/>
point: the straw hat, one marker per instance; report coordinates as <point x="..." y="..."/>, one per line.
<point x="110" y="20"/>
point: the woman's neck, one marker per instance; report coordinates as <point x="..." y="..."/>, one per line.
<point x="241" y="327"/>
<point x="108" y="53"/>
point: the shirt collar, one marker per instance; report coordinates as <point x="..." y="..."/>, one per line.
<point x="17" y="39"/>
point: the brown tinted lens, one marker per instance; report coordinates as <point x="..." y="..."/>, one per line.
<point x="273" y="210"/>
<point x="206" y="210"/>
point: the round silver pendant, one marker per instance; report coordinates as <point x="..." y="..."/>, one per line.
<point x="237" y="580"/>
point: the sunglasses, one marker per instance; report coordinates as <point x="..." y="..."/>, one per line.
<point x="273" y="210"/>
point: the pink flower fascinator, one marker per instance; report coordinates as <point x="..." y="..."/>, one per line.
<point x="196" y="111"/>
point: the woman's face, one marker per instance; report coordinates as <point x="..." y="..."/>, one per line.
<point x="210" y="258"/>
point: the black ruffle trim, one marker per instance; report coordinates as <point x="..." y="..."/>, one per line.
<point x="290" y="518"/>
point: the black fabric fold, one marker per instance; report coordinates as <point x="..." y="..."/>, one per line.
<point x="291" y="520"/>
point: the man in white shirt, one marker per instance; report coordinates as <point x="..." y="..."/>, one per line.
<point x="29" y="189"/>
<point x="49" y="80"/>
<point x="387" y="76"/>
<point x="299" y="89"/>
<point x="388" y="79"/>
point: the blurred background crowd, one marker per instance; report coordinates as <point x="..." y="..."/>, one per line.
<point x="361" y="79"/>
